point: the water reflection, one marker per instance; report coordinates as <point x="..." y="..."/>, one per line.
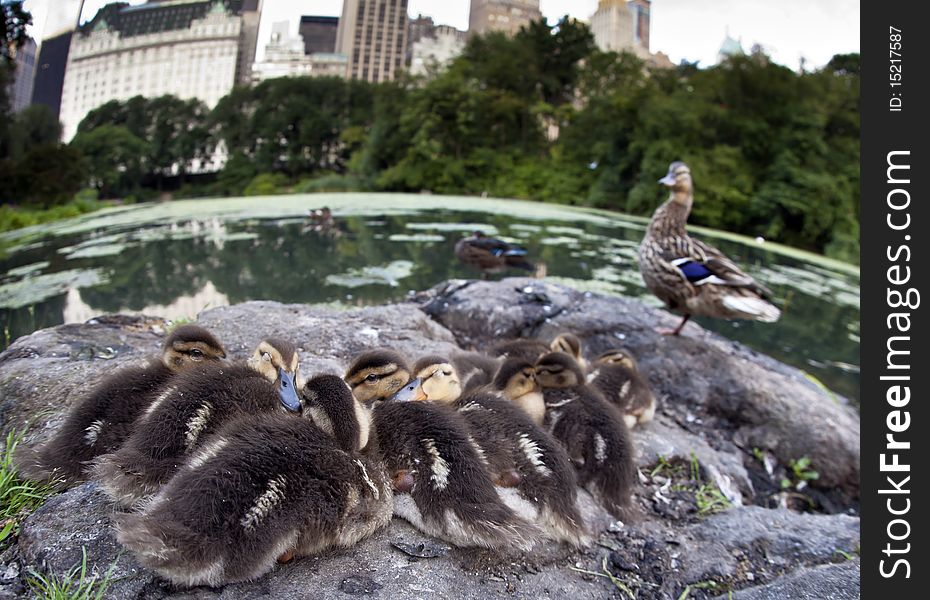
<point x="176" y="269"/>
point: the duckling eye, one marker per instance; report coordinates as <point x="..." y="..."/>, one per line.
<point x="266" y="356"/>
<point x="447" y="373"/>
<point x="371" y="378"/>
<point x="196" y="354"/>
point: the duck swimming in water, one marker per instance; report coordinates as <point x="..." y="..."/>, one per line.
<point x="491" y="255"/>
<point x="192" y="407"/>
<point x="690" y="276"/>
<point x="102" y="420"/>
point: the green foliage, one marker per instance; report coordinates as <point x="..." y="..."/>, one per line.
<point x="801" y="473"/>
<point x="113" y="157"/>
<point x="266" y="184"/>
<point x="47" y="175"/>
<point x="18" y="498"/>
<point x="12" y="217"/>
<point x="76" y="584"/>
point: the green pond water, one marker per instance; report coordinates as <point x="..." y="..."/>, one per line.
<point x="177" y="258"/>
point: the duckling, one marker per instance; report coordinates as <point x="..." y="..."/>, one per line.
<point x="191" y="408"/>
<point x="99" y="422"/>
<point x="690" y="276"/>
<point x="475" y="369"/>
<point x="569" y="343"/>
<point x="518" y="454"/>
<point x="491" y="255"/>
<point x="441" y="483"/>
<point x="264" y="485"/>
<point x="592" y="431"/>
<point x="616" y="375"/>
<point x="528" y="349"/>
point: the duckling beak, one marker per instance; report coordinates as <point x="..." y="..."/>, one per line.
<point x="287" y="389"/>
<point x="411" y="391"/>
<point x="668" y="180"/>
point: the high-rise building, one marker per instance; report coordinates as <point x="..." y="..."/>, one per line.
<point x="284" y="57"/>
<point x="436" y="48"/>
<point x="24" y="64"/>
<point x="187" y="48"/>
<point x="373" y="35"/>
<point x="501" y="15"/>
<point x="620" y="26"/>
<point x="248" y="39"/>
<point x="50" y="71"/>
<point x="319" y="34"/>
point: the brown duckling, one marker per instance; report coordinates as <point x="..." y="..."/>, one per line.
<point x="592" y="431"/>
<point x="528" y="349"/>
<point x="491" y="255"/>
<point x="570" y="344"/>
<point x="264" y="485"/>
<point x="441" y="483"/>
<point x="475" y="368"/>
<point x="102" y="420"/>
<point x="518" y="453"/>
<point x="195" y="405"/>
<point x="616" y="375"/>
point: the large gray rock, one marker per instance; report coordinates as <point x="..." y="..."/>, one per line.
<point x="826" y="582"/>
<point x="742" y="397"/>
<point x="659" y="555"/>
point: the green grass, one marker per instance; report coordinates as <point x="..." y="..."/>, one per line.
<point x="18" y="498"/>
<point x="17" y="217"/>
<point x="707" y="497"/>
<point x="76" y="584"/>
<point x="703" y="585"/>
<point x="605" y="572"/>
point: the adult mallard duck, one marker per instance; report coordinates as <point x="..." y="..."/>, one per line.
<point x="491" y="255"/>
<point x="690" y="276"/>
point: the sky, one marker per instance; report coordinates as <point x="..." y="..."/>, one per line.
<point x="689" y="30"/>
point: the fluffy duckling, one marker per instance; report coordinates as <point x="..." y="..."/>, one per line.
<point x="617" y="377"/>
<point x="441" y="483"/>
<point x="528" y="349"/>
<point x="518" y="454"/>
<point x="490" y="255"/>
<point x="690" y="276"/>
<point x="475" y="369"/>
<point x="102" y="420"/>
<point x="569" y="343"/>
<point x="261" y="486"/>
<point x="193" y="406"/>
<point x="592" y="431"/>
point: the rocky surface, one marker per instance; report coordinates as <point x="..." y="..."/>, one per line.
<point x="719" y="401"/>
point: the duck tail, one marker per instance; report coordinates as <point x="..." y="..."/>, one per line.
<point x="518" y="261"/>
<point x="176" y="554"/>
<point x="118" y="481"/>
<point x="609" y="471"/>
<point x="753" y="308"/>
<point x="492" y="525"/>
<point x="569" y="528"/>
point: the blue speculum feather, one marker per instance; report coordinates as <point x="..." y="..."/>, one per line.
<point x="695" y="271"/>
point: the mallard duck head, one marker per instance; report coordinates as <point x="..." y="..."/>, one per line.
<point x="329" y="403"/>
<point x="188" y="345"/>
<point x="378" y="375"/>
<point x="516" y="378"/>
<point x="678" y="177"/>
<point x="439" y="380"/>
<point x="558" y="370"/>
<point x="617" y="356"/>
<point x="277" y="361"/>
<point x="567" y="343"/>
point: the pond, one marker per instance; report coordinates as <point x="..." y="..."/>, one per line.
<point x="175" y="259"/>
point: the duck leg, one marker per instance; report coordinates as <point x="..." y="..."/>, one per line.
<point x="677" y="330"/>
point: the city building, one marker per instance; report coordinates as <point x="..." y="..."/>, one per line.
<point x="501" y="15"/>
<point x="285" y="57"/>
<point x="373" y="35"/>
<point x="186" y="48"/>
<point x="436" y="49"/>
<point x="620" y="26"/>
<point x="319" y="34"/>
<point x="50" y="71"/>
<point x="24" y="65"/>
<point x="730" y="47"/>
<point x="251" y="14"/>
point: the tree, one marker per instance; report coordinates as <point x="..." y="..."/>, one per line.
<point x="33" y="126"/>
<point x="47" y="175"/>
<point x="114" y="159"/>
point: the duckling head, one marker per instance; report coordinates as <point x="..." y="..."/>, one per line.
<point x="618" y="356"/>
<point x="558" y="370"/>
<point x="438" y="379"/>
<point x="516" y="378"/>
<point x="277" y="361"/>
<point x="188" y="345"/>
<point x="567" y="343"/>
<point x="678" y="179"/>
<point x="378" y="375"/>
<point x="328" y="402"/>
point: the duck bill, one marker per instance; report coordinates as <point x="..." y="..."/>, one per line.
<point x="410" y="392"/>
<point x="668" y="180"/>
<point x="287" y="390"/>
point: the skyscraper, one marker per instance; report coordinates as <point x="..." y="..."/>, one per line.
<point x="23" y="75"/>
<point x="373" y="35"/>
<point x="620" y="26"/>
<point x="501" y="15"/>
<point x="248" y="39"/>
<point x="319" y="33"/>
